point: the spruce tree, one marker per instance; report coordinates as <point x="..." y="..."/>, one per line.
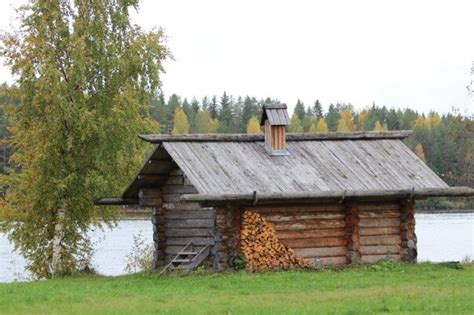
<point x="213" y="107"/>
<point x="195" y="105"/>
<point x="317" y="110"/>
<point x="173" y="102"/>
<point x="392" y="120"/>
<point x="300" y="110"/>
<point x="250" y="109"/>
<point x="158" y="110"/>
<point x="205" y="103"/>
<point x="236" y="110"/>
<point x="332" y="117"/>
<point x="225" y="114"/>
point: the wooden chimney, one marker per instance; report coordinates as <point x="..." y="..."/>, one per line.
<point x="275" y="119"/>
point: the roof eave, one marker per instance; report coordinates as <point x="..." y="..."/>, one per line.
<point x="327" y="196"/>
<point x="115" y="201"/>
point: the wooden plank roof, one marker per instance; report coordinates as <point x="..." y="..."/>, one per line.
<point x="311" y="166"/>
<point x="319" y="164"/>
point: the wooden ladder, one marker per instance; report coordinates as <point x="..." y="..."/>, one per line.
<point x="187" y="259"/>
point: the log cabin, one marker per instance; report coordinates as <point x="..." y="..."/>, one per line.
<point x="329" y="199"/>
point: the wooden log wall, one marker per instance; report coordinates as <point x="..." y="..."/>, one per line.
<point x="314" y="232"/>
<point x="380" y="233"/>
<point x="153" y="198"/>
<point x="177" y="223"/>
<point x="326" y="234"/>
<point x="337" y="234"/>
<point x="407" y="226"/>
<point x="352" y="228"/>
<point x="158" y="220"/>
<point x="220" y="251"/>
<point x="227" y="230"/>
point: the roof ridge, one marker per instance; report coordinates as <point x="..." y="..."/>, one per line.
<point x="242" y="137"/>
<point x="275" y="106"/>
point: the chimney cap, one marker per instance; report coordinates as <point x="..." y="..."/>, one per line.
<point x="276" y="114"/>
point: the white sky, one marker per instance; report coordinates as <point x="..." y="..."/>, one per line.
<point x="415" y="54"/>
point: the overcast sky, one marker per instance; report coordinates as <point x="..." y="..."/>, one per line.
<point x="415" y="54"/>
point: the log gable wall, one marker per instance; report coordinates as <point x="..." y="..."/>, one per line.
<point x="176" y="223"/>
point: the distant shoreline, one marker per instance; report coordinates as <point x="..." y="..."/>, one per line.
<point x="444" y="210"/>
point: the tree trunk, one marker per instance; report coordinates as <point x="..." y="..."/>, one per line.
<point x="57" y="241"/>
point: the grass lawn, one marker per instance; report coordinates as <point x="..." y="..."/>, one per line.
<point x="386" y="287"/>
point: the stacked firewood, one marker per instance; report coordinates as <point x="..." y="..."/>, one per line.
<point x="261" y="247"/>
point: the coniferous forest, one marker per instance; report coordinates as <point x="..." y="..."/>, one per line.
<point x="445" y="142"/>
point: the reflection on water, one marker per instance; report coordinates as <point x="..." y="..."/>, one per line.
<point x="441" y="237"/>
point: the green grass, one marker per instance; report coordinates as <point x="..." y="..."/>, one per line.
<point x="387" y="287"/>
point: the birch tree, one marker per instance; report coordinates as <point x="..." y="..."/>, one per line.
<point x="295" y="124"/>
<point x="180" y="122"/>
<point x="319" y="126"/>
<point x="253" y="127"/>
<point x="85" y="78"/>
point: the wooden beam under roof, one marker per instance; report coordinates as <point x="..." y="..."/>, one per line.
<point x="115" y="201"/>
<point x="327" y="196"/>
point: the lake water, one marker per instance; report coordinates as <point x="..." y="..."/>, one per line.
<point x="441" y="237"/>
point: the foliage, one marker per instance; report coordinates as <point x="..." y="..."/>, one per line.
<point x="332" y="118"/>
<point x="253" y="127"/>
<point x="205" y="123"/>
<point x="180" y="122"/>
<point x="299" y="110"/>
<point x="239" y="262"/>
<point x="85" y="80"/>
<point x="420" y="152"/>
<point x="447" y="140"/>
<point x="225" y="113"/>
<point x="319" y="126"/>
<point x="317" y="110"/>
<point x="388" y="264"/>
<point x="409" y="289"/>
<point x="6" y="100"/>
<point x="345" y="123"/>
<point x="140" y="257"/>
<point x="295" y="124"/>
<point x="200" y="270"/>
<point x="380" y="127"/>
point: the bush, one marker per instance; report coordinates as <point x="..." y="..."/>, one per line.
<point x="141" y="256"/>
<point x="386" y="264"/>
<point x="239" y="262"/>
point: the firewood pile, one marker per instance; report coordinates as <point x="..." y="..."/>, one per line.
<point x="261" y="247"/>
